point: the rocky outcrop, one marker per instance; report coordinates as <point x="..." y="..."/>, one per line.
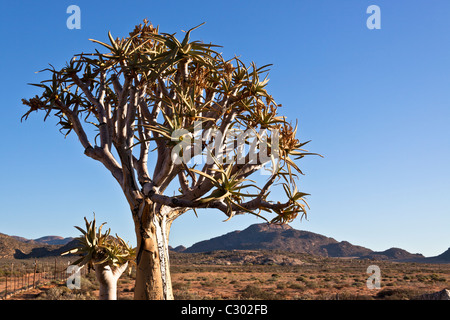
<point x="440" y="295"/>
<point x="394" y="254"/>
<point x="242" y="257"/>
<point x="178" y="248"/>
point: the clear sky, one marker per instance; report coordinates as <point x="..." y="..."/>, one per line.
<point x="375" y="103"/>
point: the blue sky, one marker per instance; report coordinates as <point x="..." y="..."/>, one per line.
<point x="375" y="103"/>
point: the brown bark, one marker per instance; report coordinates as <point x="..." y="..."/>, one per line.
<point x="153" y="280"/>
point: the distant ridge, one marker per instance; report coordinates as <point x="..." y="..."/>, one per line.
<point x="285" y="238"/>
<point x="442" y="258"/>
<point x="54" y="240"/>
<point x="178" y="248"/>
<point x="280" y="237"/>
<point x="393" y="254"/>
<point x="22" y="248"/>
<point x="263" y="236"/>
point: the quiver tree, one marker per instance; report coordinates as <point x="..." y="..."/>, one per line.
<point x="203" y="123"/>
<point x="108" y="256"/>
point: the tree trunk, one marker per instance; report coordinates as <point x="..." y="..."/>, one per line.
<point x="108" y="276"/>
<point x="153" y="281"/>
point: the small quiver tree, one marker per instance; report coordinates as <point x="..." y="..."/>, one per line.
<point x="109" y="256"/>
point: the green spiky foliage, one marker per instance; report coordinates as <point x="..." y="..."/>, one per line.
<point x="96" y="247"/>
<point x="139" y="90"/>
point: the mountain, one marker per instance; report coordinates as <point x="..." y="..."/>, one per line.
<point x="22" y="248"/>
<point x="45" y="251"/>
<point x="54" y="240"/>
<point x="280" y="237"/>
<point x="442" y="258"/>
<point x="264" y="237"/>
<point x="20" y="238"/>
<point x="10" y="245"/>
<point x="285" y="238"/>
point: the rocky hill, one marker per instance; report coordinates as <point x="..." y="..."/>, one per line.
<point x="393" y="254"/>
<point x="442" y="258"/>
<point x="178" y="248"/>
<point x="54" y="240"/>
<point x="285" y="238"/>
<point x="22" y="248"/>
<point x="260" y="237"/>
<point x="280" y="237"/>
<point x="10" y="245"/>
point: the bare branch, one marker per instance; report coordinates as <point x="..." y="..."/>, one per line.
<point x="122" y="111"/>
<point x="150" y="86"/>
<point x="77" y="127"/>
<point x="184" y="183"/>
<point x="101" y="112"/>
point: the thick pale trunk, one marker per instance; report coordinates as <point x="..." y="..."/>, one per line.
<point x="153" y="281"/>
<point x="108" y="276"/>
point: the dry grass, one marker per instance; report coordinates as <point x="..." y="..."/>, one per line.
<point x="317" y="278"/>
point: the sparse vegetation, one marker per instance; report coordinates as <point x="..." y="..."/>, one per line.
<point x="196" y="276"/>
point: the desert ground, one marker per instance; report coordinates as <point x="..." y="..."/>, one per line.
<point x="231" y="276"/>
